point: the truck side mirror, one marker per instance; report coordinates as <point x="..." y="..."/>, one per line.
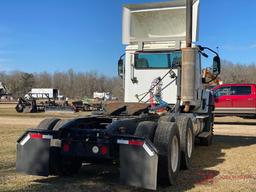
<point x="120" y="68"/>
<point x="216" y="65"/>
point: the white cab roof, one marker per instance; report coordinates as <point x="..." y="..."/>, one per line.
<point x="156" y="22"/>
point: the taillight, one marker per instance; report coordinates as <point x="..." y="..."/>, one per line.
<point x="103" y="150"/>
<point x="36" y="135"/>
<point x="66" y="148"/>
<point x="39" y="136"/>
<point x="130" y="142"/>
<point x="134" y="142"/>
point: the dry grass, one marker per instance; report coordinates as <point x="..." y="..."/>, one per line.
<point x="228" y="165"/>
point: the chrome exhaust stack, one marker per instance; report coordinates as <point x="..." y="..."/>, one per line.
<point x="188" y="68"/>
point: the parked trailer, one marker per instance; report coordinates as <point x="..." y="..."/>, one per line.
<point x="88" y="105"/>
<point x="102" y="95"/>
<point x="150" y="148"/>
<point x="31" y="104"/>
<point x="45" y="93"/>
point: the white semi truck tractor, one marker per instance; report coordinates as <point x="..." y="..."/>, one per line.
<point x="151" y="135"/>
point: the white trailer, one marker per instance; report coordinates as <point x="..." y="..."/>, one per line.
<point x="44" y="93"/>
<point x="102" y="95"/>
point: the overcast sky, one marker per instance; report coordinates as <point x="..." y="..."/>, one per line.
<point x="56" y="35"/>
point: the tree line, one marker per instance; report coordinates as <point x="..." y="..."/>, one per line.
<point x="77" y="85"/>
<point x="238" y="73"/>
<point x="71" y="84"/>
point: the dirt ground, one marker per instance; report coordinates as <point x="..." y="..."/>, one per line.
<point x="227" y="165"/>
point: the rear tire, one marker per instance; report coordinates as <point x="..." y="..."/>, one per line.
<point x="146" y="129"/>
<point x="48" y="124"/>
<point x="61" y="123"/>
<point x="59" y="165"/>
<point x="167" y="142"/>
<point x="168" y="118"/>
<point x="186" y="140"/>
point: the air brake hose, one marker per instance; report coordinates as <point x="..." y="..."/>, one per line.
<point x="156" y="84"/>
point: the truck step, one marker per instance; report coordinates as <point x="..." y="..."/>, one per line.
<point x="204" y="134"/>
<point x="202" y="116"/>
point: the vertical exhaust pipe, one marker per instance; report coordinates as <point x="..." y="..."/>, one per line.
<point x="188" y="63"/>
<point x="189" y="15"/>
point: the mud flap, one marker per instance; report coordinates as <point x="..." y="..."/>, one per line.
<point x="33" y="154"/>
<point x="138" y="164"/>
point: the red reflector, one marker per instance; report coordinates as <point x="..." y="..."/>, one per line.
<point x="36" y="135"/>
<point x="66" y="148"/>
<point x="103" y="150"/>
<point x="133" y="142"/>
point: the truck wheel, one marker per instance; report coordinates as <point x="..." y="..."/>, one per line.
<point x="61" y="123"/>
<point x="19" y="108"/>
<point x="48" y="124"/>
<point x="146" y="129"/>
<point x="167" y="142"/>
<point x="186" y="140"/>
<point x="60" y="165"/>
<point x="168" y="118"/>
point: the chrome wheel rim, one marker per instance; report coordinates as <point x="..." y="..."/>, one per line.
<point x="189" y="143"/>
<point x="175" y="153"/>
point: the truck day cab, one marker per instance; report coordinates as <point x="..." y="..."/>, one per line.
<point x="235" y="99"/>
<point x="160" y="67"/>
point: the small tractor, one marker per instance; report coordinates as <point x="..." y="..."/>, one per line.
<point x="166" y="109"/>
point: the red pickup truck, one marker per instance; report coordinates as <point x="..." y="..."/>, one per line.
<point x="235" y="99"/>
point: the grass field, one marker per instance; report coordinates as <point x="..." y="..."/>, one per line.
<point x="227" y="165"/>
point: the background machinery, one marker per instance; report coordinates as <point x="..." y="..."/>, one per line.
<point x="5" y="95"/>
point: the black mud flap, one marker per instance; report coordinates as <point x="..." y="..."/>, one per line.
<point x="33" y="154"/>
<point x="138" y="164"/>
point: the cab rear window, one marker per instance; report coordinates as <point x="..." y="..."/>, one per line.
<point x="157" y="60"/>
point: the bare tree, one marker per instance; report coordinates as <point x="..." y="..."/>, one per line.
<point x="80" y="84"/>
<point x="238" y="73"/>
